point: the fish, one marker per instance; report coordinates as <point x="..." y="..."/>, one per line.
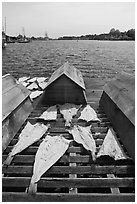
<point x="111" y="147"/>
<point x="88" y="114"/>
<point x="68" y="110"/>
<point x="24" y="83"/>
<point x="22" y="79"/>
<point x="35" y="94"/>
<point x="43" y="85"/>
<point x="83" y="135"/>
<point x="49" y="152"/>
<point x="29" y="135"/>
<point x="32" y="79"/>
<point x="50" y="113"/>
<point x="32" y="86"/>
<point x="41" y="79"/>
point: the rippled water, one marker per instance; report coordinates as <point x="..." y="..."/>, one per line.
<point x="96" y="59"/>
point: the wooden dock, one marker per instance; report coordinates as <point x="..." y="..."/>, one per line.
<point x="75" y="177"/>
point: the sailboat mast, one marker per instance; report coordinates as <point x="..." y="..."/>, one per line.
<point x="5" y="25"/>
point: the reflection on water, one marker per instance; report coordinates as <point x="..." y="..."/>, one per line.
<point x="95" y="59"/>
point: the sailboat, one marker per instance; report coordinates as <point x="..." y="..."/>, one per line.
<point x="4" y="36"/>
<point x="23" y="38"/>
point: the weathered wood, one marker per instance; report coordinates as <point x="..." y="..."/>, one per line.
<point x="13" y="95"/>
<point x="118" y="102"/>
<point x="71" y="72"/>
<point x="121" y="91"/>
<point x="93" y="169"/>
<point x="63" y="90"/>
<point x="16" y="107"/>
<point x="73" y="189"/>
<point x="113" y="190"/>
<point x="63" y="197"/>
<point x="71" y="182"/>
<point x="121" y="124"/>
<point x="12" y="124"/>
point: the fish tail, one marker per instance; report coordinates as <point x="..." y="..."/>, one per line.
<point x="32" y="189"/>
<point x="8" y="160"/>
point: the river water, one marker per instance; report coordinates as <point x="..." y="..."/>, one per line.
<point x="95" y="59"/>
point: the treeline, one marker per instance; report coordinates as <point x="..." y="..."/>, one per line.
<point x="112" y="35"/>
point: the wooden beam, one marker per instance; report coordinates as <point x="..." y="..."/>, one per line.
<point x="72" y="182"/>
<point x="63" y="197"/>
<point x="113" y="190"/>
<point x="72" y="170"/>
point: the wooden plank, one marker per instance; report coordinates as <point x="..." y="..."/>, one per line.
<point x="121" y="124"/>
<point x="72" y="182"/>
<point x="12" y="96"/>
<point x="121" y="90"/>
<point x="98" y="141"/>
<point x="63" y="197"/>
<point x="12" y="124"/>
<point x="72" y="190"/>
<point x="33" y="149"/>
<point x="113" y="190"/>
<point x="71" y="72"/>
<point x="93" y="169"/>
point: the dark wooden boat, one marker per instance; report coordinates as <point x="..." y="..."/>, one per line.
<point x="75" y="177"/>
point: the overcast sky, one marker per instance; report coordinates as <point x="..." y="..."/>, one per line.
<point x="60" y="18"/>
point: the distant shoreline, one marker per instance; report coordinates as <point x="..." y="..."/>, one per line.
<point x="113" y="35"/>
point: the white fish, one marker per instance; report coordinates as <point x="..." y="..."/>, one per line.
<point x="49" y="151"/>
<point x="68" y="110"/>
<point x="21" y="79"/>
<point x="35" y="94"/>
<point x="24" y="83"/>
<point x="32" y="86"/>
<point x="50" y="113"/>
<point x="43" y="85"/>
<point x="83" y="135"/>
<point x="29" y="135"/>
<point x="111" y="147"/>
<point x="88" y="114"/>
<point x="32" y="79"/>
<point x="41" y="79"/>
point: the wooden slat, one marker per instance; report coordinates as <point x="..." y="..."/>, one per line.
<point x="63" y="197"/>
<point x="113" y="190"/>
<point x="32" y="150"/>
<point x="73" y="170"/>
<point x="72" y="190"/>
<point x="98" y="141"/>
<point x="71" y="182"/>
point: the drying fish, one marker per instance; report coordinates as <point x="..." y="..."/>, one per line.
<point x="50" y="114"/>
<point x="49" y="151"/>
<point x="43" y="85"/>
<point x="21" y="79"/>
<point x="32" y="79"/>
<point x="35" y="94"/>
<point x="32" y="86"/>
<point x="41" y="79"/>
<point x="29" y="135"/>
<point x="68" y="110"/>
<point x="88" y="114"/>
<point x="83" y="135"/>
<point x="24" y="83"/>
<point x="111" y="147"/>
